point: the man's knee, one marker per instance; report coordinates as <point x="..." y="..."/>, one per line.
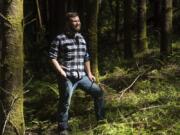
<point x="99" y="92"/>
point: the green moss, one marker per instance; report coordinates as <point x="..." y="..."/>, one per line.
<point x="13" y="62"/>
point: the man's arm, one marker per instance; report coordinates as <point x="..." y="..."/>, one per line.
<point x="58" y="67"/>
<point x="88" y="71"/>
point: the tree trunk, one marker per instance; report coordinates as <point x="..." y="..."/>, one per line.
<point x="128" y="53"/>
<point x="93" y="8"/>
<point x="157" y="13"/>
<point x="57" y="16"/>
<point x="0" y="41"/>
<point x="141" y="26"/>
<point x="117" y="21"/>
<point x="11" y="92"/>
<point x="166" y="28"/>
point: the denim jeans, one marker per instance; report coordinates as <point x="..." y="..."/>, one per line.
<point x="66" y="89"/>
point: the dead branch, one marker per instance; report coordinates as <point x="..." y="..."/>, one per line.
<point x="123" y="91"/>
<point x="39" y="14"/>
<point x="31" y="21"/>
<point x="15" y="128"/>
<point x="15" y="98"/>
<point x="3" y="109"/>
<point x="8" y="114"/>
<point x="4" y="19"/>
<point x="151" y="107"/>
<point x="27" y="83"/>
<point x="2" y="89"/>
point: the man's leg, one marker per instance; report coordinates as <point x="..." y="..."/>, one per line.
<point x="96" y="92"/>
<point x="65" y="92"/>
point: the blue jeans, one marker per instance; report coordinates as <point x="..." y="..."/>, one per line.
<point x="66" y="89"/>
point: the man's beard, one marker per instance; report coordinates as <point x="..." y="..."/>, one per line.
<point x="77" y="29"/>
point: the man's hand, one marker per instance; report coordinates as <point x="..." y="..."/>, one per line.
<point x="63" y="74"/>
<point x="58" y="68"/>
<point x="91" y="77"/>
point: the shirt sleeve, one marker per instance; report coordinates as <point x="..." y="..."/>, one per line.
<point x="53" y="52"/>
<point x="86" y="57"/>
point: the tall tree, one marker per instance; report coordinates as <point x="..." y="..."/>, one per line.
<point x="141" y="26"/>
<point x="128" y="53"/>
<point x="157" y="12"/>
<point x="93" y="8"/>
<point x="117" y="20"/>
<point x="11" y="92"/>
<point x="0" y="39"/>
<point x="166" y="28"/>
<point x="57" y="9"/>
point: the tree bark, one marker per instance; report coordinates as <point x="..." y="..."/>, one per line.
<point x="93" y="8"/>
<point x="1" y="4"/>
<point x="128" y="53"/>
<point x="166" y="28"/>
<point x="141" y="26"/>
<point x="11" y="92"/>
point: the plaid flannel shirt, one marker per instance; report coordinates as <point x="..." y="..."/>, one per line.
<point x="71" y="54"/>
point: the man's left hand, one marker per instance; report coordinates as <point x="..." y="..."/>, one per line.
<point x="91" y="77"/>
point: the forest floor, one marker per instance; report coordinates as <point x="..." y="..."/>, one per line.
<point x="141" y="99"/>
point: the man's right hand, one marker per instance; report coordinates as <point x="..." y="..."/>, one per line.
<point x="63" y="74"/>
<point x="58" y="68"/>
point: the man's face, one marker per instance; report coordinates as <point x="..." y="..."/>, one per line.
<point x="75" y="23"/>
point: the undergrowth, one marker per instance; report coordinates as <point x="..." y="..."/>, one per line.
<point x="150" y="107"/>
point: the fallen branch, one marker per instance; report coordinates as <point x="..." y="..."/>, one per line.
<point x="123" y="91"/>
<point x="151" y="107"/>
<point x="145" y="108"/>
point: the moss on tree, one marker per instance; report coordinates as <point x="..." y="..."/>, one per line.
<point x="12" y="71"/>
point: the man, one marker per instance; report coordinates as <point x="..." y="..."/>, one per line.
<point x="69" y="56"/>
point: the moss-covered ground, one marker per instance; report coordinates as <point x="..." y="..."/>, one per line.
<point x="151" y="106"/>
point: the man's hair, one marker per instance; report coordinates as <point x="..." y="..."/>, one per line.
<point x="70" y="15"/>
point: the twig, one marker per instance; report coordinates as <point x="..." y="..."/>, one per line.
<point x="151" y="107"/>
<point x="11" y="106"/>
<point x="146" y="108"/>
<point x="3" y="108"/>
<point x="26" y="84"/>
<point x="15" y="128"/>
<point x="4" y="18"/>
<point x="2" y="89"/>
<point x="8" y="114"/>
<point x="31" y="21"/>
<point x="28" y="15"/>
<point x="39" y="14"/>
<point x="123" y="91"/>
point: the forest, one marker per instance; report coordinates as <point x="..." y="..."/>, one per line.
<point x="134" y="47"/>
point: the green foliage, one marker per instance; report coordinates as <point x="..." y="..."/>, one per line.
<point x="114" y="129"/>
<point x="41" y="100"/>
<point x="151" y="106"/>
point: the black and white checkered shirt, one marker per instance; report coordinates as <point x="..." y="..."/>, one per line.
<point x="71" y="54"/>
